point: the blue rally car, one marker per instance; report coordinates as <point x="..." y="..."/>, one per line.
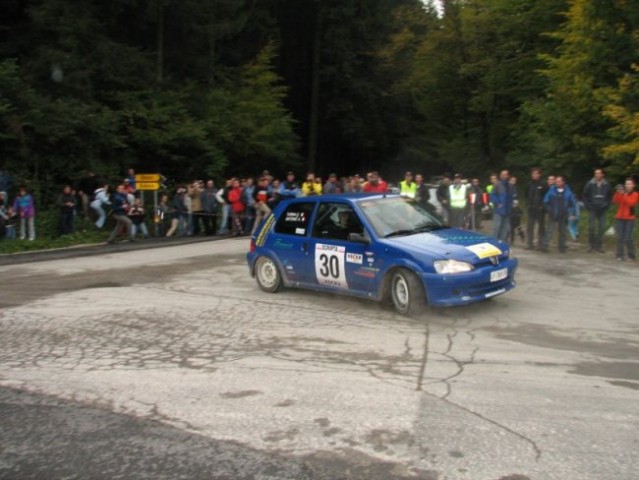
<point x="380" y="247"/>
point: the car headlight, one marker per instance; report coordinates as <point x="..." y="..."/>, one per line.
<point x="452" y="266"/>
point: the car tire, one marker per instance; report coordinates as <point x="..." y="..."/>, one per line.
<point x="407" y="292"/>
<point x="267" y="275"/>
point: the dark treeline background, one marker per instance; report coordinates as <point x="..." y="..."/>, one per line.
<point x="194" y="88"/>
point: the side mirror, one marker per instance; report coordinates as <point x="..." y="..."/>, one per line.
<point x="358" y="238"/>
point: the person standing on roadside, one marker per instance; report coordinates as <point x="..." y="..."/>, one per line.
<point x="331" y="187"/>
<point x="237" y="207"/>
<point x="560" y="204"/>
<point x="422" y="194"/>
<point x="458" y="195"/>
<point x="309" y="187"/>
<point x="375" y="184"/>
<point x="120" y="205"/>
<point x="209" y="208"/>
<point x="86" y="189"/>
<point x="502" y="197"/>
<point x="4" y="214"/>
<point x="24" y="207"/>
<point x="261" y="197"/>
<point x="443" y="197"/>
<point x="162" y="216"/>
<point x="535" y="209"/>
<point x="596" y="196"/>
<point x="179" y="213"/>
<point x="626" y="199"/>
<point x="476" y="202"/>
<point x="223" y="201"/>
<point x="408" y="188"/>
<point x="290" y="189"/>
<point x="100" y="198"/>
<point x="66" y="203"/>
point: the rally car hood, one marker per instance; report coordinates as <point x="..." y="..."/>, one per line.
<point x="462" y="245"/>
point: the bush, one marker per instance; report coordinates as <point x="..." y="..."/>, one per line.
<point x="47" y="225"/>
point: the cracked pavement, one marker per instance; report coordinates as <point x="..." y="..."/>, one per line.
<point x="144" y="352"/>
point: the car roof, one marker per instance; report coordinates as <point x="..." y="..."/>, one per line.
<point x="352" y="197"/>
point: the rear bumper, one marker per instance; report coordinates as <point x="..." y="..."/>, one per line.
<point x="465" y="288"/>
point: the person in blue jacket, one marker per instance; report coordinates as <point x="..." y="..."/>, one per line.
<point x="561" y="207"/>
<point x="502" y="198"/>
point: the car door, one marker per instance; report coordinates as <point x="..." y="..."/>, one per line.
<point x="291" y="241"/>
<point x="335" y="261"/>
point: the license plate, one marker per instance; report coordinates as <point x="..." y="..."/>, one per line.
<point x="498" y="275"/>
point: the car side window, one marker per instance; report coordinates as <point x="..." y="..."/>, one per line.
<point x="336" y="221"/>
<point x="295" y="219"/>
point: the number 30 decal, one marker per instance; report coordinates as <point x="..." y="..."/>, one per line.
<point x="329" y="265"/>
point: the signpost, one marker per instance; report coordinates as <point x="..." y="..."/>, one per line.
<point x="150" y="186"/>
<point x="148" y="177"/>
<point x="149" y="182"/>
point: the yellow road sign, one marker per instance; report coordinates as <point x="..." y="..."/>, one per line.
<point x="147" y="177"/>
<point x="147" y="185"/>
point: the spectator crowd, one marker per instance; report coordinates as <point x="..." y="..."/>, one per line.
<point x="547" y="205"/>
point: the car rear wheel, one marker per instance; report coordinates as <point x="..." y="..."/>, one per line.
<point x="267" y="275"/>
<point x="407" y="292"/>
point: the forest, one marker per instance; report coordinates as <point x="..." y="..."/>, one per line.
<point x="195" y="88"/>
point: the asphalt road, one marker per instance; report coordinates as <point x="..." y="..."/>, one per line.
<point x="170" y="363"/>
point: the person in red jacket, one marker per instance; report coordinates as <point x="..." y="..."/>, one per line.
<point x="626" y="199"/>
<point x="375" y="184"/>
<point x="237" y="207"/>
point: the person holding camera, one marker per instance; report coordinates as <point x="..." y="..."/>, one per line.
<point x="626" y="199"/>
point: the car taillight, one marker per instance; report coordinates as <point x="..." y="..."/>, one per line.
<point x="252" y="249"/>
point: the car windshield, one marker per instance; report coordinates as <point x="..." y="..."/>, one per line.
<point x="392" y="217"/>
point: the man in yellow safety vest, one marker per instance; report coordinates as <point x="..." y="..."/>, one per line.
<point x="458" y="202"/>
<point x="408" y="188"/>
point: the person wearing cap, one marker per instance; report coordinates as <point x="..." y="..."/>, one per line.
<point x="331" y="186"/>
<point x="408" y="188"/>
<point x="289" y="187"/>
<point x="458" y="194"/>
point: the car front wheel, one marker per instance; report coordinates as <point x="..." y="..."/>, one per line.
<point x="407" y="292"/>
<point x="267" y="275"/>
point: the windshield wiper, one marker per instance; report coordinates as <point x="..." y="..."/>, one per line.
<point x="413" y="231"/>
<point x="431" y="228"/>
<point x="397" y="233"/>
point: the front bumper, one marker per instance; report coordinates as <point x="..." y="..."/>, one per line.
<point x="465" y="288"/>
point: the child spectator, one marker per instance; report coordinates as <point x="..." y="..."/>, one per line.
<point x="24" y="207"/>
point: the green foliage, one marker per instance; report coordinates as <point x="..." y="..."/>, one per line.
<point x="48" y="234"/>
<point x="195" y="87"/>
<point x="160" y="86"/>
<point x="596" y="50"/>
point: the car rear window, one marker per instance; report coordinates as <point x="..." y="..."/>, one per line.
<point x="295" y="219"/>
